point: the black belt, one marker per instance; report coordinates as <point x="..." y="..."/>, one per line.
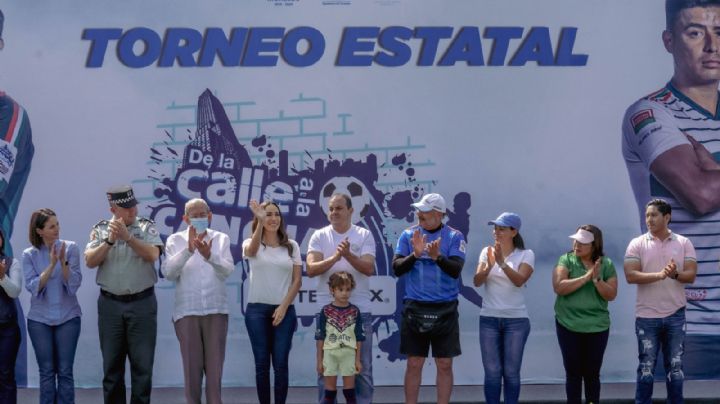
<point x="131" y="297"/>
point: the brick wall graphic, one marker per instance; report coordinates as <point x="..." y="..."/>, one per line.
<point x="231" y="152"/>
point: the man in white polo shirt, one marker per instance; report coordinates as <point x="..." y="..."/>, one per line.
<point x="660" y="262"/>
<point x="343" y="246"/>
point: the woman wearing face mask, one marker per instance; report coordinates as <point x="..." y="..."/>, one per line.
<point x="199" y="261"/>
<point x="10" y="286"/>
<point x="52" y="275"/>
<point x="275" y="270"/>
<point x="585" y="281"/>
<point x="504" y="324"/>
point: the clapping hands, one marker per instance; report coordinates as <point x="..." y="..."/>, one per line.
<point x="196" y="242"/>
<point x="343" y="249"/>
<point x="420" y="245"/>
<point x="57" y="256"/>
<point x="670" y="270"/>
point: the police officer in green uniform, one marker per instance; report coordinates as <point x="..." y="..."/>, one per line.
<point x="124" y="250"/>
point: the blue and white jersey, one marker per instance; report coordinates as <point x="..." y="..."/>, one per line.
<point x="426" y="282"/>
<point x="16" y="152"/>
<point x="652" y="126"/>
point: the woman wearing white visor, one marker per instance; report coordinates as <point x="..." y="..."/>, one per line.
<point x="585" y="281"/>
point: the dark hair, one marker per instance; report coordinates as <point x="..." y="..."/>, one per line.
<point x="2" y="247"/>
<point x="341" y="278"/>
<point x="518" y="240"/>
<point x="674" y="7"/>
<point x="348" y="200"/>
<point x="597" y="243"/>
<point x="37" y="221"/>
<point x="281" y="233"/>
<point x="2" y="23"/>
<point x="3" y="257"/>
<point x="662" y="206"/>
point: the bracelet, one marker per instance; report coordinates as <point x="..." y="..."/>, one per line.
<point x="676" y="275"/>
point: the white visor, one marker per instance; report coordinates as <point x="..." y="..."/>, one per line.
<point x="583" y="236"/>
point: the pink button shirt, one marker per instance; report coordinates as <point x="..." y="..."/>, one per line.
<point x="661" y="298"/>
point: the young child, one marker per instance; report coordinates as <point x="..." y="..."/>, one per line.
<point x="339" y="335"/>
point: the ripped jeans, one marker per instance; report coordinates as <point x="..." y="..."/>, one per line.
<point x="652" y="333"/>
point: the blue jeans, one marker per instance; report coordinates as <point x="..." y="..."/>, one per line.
<point x="364" y="385"/>
<point x="270" y="344"/>
<point x="668" y="332"/>
<point x="54" y="347"/>
<point x="502" y="342"/>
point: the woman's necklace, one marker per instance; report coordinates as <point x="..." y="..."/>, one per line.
<point x="588" y="266"/>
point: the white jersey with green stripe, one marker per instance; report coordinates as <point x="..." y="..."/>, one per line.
<point x="16" y="153"/>
<point x="652" y="126"/>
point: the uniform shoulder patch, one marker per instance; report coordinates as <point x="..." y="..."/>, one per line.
<point x="93" y="233"/>
<point x="148" y="225"/>
<point x="642" y="119"/>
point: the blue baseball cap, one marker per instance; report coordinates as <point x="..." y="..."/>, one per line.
<point x="507" y="219"/>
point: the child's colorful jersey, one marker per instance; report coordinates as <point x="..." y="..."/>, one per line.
<point x="339" y="327"/>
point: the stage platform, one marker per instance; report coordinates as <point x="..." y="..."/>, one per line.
<point x="695" y="392"/>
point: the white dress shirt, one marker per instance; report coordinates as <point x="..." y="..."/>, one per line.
<point x="12" y="281"/>
<point x="200" y="283"/>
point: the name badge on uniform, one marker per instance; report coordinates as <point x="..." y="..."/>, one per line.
<point x="8" y="153"/>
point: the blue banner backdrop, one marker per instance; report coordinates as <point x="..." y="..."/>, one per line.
<point x="499" y="106"/>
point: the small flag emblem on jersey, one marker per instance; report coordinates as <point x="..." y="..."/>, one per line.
<point x="642" y="119"/>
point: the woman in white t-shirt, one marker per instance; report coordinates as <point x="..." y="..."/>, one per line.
<point x="275" y="277"/>
<point x="504" y="325"/>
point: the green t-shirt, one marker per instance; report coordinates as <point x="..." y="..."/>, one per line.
<point x="583" y="310"/>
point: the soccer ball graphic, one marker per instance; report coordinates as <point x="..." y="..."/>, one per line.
<point x="352" y="187"/>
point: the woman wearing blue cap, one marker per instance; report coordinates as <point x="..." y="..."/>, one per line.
<point x="585" y="282"/>
<point x="504" y="324"/>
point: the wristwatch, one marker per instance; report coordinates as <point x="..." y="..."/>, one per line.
<point x="108" y="242"/>
<point x="676" y="275"/>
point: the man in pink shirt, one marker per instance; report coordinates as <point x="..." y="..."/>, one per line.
<point x="660" y="262"/>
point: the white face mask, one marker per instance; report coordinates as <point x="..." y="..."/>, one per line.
<point x="200" y="224"/>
